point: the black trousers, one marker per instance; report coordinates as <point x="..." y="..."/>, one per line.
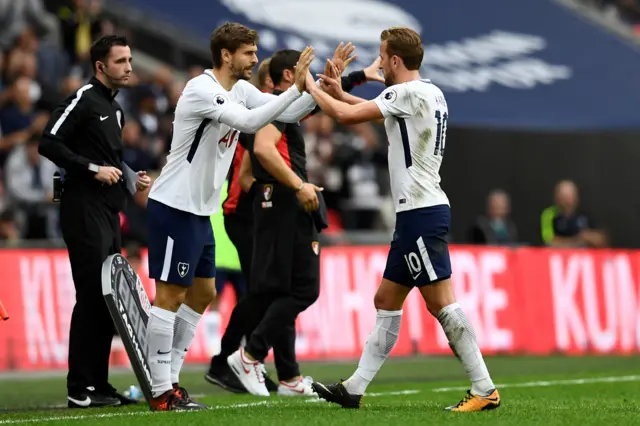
<point x="240" y="232"/>
<point x="91" y="231"/>
<point x="285" y="269"/>
<point x="244" y="318"/>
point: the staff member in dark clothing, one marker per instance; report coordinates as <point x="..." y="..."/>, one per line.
<point x="239" y="226"/>
<point x="84" y="137"/>
<point x="285" y="263"/>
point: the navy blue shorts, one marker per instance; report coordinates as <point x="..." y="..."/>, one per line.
<point x="181" y="245"/>
<point x="419" y="253"/>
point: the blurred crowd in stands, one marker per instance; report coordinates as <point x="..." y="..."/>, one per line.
<point x="44" y="58"/>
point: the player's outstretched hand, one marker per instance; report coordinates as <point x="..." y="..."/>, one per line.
<point x="331" y="83"/>
<point x="108" y="175"/>
<point x="302" y="67"/>
<point x="342" y="57"/>
<point x="308" y="197"/>
<point x="372" y="72"/>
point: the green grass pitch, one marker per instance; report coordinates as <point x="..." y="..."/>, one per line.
<point x="535" y="391"/>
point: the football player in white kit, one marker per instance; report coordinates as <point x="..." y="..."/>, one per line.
<point x="213" y="108"/>
<point x="415" y="116"/>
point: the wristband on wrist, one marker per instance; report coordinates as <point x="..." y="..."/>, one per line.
<point x="301" y="186"/>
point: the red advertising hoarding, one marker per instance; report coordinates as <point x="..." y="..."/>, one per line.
<point x="534" y="301"/>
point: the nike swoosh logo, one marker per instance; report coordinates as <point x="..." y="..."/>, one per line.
<point x="246" y="371"/>
<point x="83" y="403"/>
<point x="103" y="118"/>
<point x="163" y="353"/>
<point x="293" y="387"/>
<point x="494" y="399"/>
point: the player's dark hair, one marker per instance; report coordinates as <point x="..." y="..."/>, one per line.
<point x="101" y="48"/>
<point x="285" y="59"/>
<point x="406" y="44"/>
<point x="230" y="36"/>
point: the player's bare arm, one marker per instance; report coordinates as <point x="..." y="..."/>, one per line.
<point x="245" y="175"/>
<point x="342" y="111"/>
<point x="265" y="150"/>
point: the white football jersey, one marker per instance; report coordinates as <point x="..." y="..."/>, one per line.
<point x="202" y="147"/>
<point x="416" y="116"/>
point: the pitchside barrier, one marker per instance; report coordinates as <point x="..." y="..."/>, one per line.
<point x="520" y="300"/>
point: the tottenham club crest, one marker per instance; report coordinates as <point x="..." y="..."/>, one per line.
<point x="315" y="246"/>
<point x="119" y="118"/>
<point x="183" y="269"/>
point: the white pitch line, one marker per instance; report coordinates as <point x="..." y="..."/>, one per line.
<point x="612" y="379"/>
<point x="215" y="407"/>
<point x="66" y="418"/>
<point x="402" y="392"/>
<point x="546" y="383"/>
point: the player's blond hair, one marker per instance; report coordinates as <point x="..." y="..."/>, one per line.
<point x="260" y="78"/>
<point x="406" y="44"/>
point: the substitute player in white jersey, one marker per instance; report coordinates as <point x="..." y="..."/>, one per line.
<point x="415" y="115"/>
<point x="213" y="108"/>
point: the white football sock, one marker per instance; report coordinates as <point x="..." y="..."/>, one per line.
<point x="159" y="341"/>
<point x="212" y="332"/>
<point x="379" y="344"/>
<point x="184" y="331"/>
<point x="462" y="339"/>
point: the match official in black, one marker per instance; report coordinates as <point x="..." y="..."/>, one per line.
<point x="84" y="137"/>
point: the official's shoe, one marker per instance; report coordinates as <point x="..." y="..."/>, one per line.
<point x="473" y="402"/>
<point x="248" y="372"/>
<point x="337" y="394"/>
<point x="90" y="398"/>
<point x="268" y="382"/>
<point x="183" y="394"/>
<point x="301" y="388"/>
<point x="170" y="401"/>
<point x="221" y="375"/>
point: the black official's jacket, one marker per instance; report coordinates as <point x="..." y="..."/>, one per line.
<point x="85" y="132"/>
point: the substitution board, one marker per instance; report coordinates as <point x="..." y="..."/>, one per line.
<point x="129" y="306"/>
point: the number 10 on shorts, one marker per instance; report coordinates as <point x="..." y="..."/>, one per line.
<point x="414" y="264"/>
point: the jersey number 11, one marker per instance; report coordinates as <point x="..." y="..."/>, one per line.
<point x="441" y="133"/>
